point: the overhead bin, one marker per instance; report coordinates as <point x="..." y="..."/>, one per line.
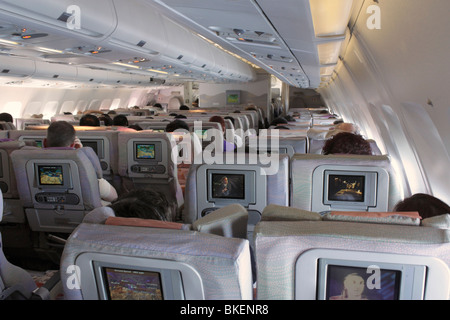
<point x="16" y="68"/>
<point x="45" y="70"/>
<point x="181" y="45"/>
<point x="139" y="28"/>
<point x="92" y="19"/>
<point x="92" y="75"/>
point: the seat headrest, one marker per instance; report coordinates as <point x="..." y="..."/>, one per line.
<point x="442" y="221"/>
<point x="405" y="218"/>
<point x="230" y="221"/>
<point x="282" y="213"/>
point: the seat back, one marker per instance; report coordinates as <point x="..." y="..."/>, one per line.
<point x="15" y="282"/>
<point x="150" y="159"/>
<point x="253" y="185"/>
<point x="289" y="145"/>
<point x="307" y="260"/>
<point x="29" y="136"/>
<point x="57" y="186"/>
<point x="344" y="182"/>
<point x="191" y="265"/>
<point x="13" y="209"/>
<point x="105" y="146"/>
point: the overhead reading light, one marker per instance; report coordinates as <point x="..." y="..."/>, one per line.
<point x="34" y="36"/>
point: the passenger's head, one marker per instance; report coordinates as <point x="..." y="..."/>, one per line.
<point x="279" y="120"/>
<point x="218" y="119"/>
<point x="231" y="119"/>
<point x="60" y="134"/>
<point x="141" y="203"/>
<point x="347" y="143"/>
<point x="135" y="127"/>
<point x="184" y="107"/>
<point x="120" y="120"/>
<point x="177" y="124"/>
<point x="347" y="127"/>
<point x="107" y="121"/>
<point x="4" y="116"/>
<point x="427" y="205"/>
<point x="157" y="105"/>
<point x="89" y="120"/>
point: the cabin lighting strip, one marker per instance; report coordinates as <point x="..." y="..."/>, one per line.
<point x="229" y="52"/>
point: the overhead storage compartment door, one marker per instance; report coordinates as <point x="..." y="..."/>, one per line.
<point x="92" y="18"/>
<point x="139" y="28"/>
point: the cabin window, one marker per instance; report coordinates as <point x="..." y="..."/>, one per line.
<point x="81" y="106"/>
<point x="33" y="108"/>
<point x="406" y="155"/>
<point x="14" y="108"/>
<point x="50" y="109"/>
<point x="427" y="143"/>
<point x="94" y="105"/>
<point x="106" y="104"/>
<point x="67" y="107"/>
<point x="115" y="104"/>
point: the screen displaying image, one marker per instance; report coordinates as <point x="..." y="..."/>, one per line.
<point x="90" y="143"/>
<point x="133" y="284"/>
<point x="201" y="134"/>
<point x="358" y="283"/>
<point x="145" y="151"/>
<point x="228" y="186"/>
<point x="50" y="175"/>
<point x="39" y="143"/>
<point x="346" y="188"/>
<point x="233" y="98"/>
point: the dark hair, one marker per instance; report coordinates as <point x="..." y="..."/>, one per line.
<point x="279" y="120"/>
<point x="184" y="107"/>
<point x="4" y="116"/>
<point x="60" y="134"/>
<point x="180" y="116"/>
<point x="135" y="127"/>
<point x="141" y="203"/>
<point x="218" y="119"/>
<point x="427" y="205"/>
<point x="347" y="143"/>
<point x="106" y="119"/>
<point x="177" y="124"/>
<point x="89" y="120"/>
<point x="120" y="120"/>
<point x="231" y="119"/>
<point x="157" y="105"/>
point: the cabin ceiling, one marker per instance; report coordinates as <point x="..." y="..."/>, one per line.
<point x="145" y="42"/>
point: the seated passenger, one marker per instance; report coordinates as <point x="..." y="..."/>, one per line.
<point x="4" y="116"/>
<point x="61" y="134"/>
<point x="90" y="120"/>
<point x="120" y="120"/>
<point x="427" y="205"/>
<point x="184" y="107"/>
<point x="347" y="143"/>
<point x="143" y="204"/>
<point x="107" y="120"/>
<point x="277" y="121"/>
<point x="227" y="146"/>
<point x="177" y="125"/>
<point x="321" y="134"/>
